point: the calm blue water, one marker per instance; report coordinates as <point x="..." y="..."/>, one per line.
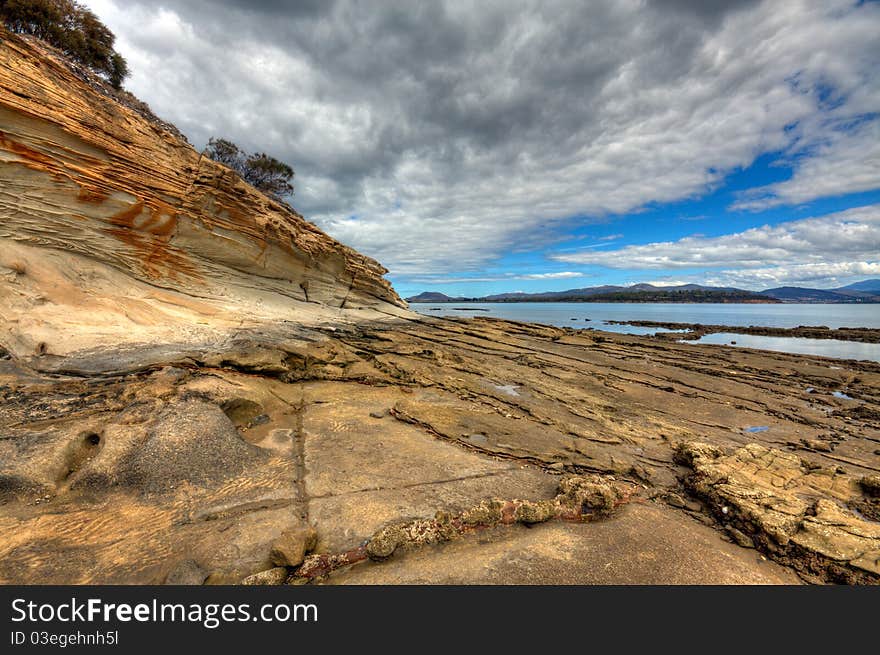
<point x="822" y="347"/>
<point x="783" y="316"/>
<point x="561" y="313"/>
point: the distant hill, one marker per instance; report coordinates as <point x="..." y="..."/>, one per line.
<point x="611" y="293"/>
<point x="798" y="294"/>
<point x="867" y="291"/>
<point x="635" y="293"/>
<point x="868" y="286"/>
<point x="433" y="296"/>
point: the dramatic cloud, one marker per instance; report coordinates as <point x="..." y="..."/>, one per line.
<point x="438" y="136"/>
<point x="831" y="247"/>
<point x="848" y="162"/>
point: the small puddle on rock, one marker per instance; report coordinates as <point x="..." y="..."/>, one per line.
<point x="841" y="395"/>
<point x="756" y="428"/>
<point x="509" y="389"/>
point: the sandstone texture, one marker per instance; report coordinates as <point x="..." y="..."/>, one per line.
<point x="269" y="577"/>
<point x="199" y="387"/>
<point x="616" y="459"/>
<point x="113" y="229"/>
<point x="803" y="513"/>
<point x="290" y="549"/>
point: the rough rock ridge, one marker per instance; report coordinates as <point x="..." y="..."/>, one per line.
<point x="800" y="513"/>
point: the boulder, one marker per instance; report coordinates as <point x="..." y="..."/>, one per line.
<point x="291" y="547"/>
<point x="275" y="576"/>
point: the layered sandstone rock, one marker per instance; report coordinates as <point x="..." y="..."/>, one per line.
<point x="113" y="229"/>
<point x="800" y="512"/>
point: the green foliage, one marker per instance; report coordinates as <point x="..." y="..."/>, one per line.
<point x="268" y="174"/>
<point x="261" y="171"/>
<point x="226" y="152"/>
<point x="70" y="27"/>
<point x="118" y="70"/>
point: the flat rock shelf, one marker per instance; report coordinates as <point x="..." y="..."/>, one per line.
<point x="401" y="445"/>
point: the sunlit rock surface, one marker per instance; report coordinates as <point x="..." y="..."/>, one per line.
<point x="113" y="229"/>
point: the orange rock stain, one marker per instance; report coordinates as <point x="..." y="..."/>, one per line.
<point x="149" y="237"/>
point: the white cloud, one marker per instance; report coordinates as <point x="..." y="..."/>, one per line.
<point x="562" y="275"/>
<point x="824" y="276"/>
<point x="550" y="276"/>
<point x="851" y="235"/>
<point x="825" y="249"/>
<point x="847" y="162"/>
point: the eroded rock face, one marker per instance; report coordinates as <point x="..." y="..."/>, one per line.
<point x="400" y="432"/>
<point x="797" y="512"/>
<point x="114" y="229"/>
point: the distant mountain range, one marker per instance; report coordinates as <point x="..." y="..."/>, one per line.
<point x="860" y="292"/>
<point x="867" y="291"/>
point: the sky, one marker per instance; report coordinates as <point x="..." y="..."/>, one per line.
<point x="485" y="147"/>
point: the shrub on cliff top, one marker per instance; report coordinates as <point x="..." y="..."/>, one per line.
<point x="70" y="27"/>
<point x="261" y="171"/>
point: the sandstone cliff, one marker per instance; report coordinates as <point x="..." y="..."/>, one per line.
<point x="113" y="229"/>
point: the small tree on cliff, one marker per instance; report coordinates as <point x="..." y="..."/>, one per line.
<point x="226" y="152"/>
<point x="263" y="172"/>
<point x="118" y="70"/>
<point x="269" y="175"/>
<point x="70" y="27"/>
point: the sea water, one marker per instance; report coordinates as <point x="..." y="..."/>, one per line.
<point x="576" y="315"/>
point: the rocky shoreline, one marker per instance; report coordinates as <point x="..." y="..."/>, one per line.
<point x="417" y="448"/>
<point x="695" y="331"/>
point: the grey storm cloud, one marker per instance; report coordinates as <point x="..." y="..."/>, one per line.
<point x="437" y="136"/>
